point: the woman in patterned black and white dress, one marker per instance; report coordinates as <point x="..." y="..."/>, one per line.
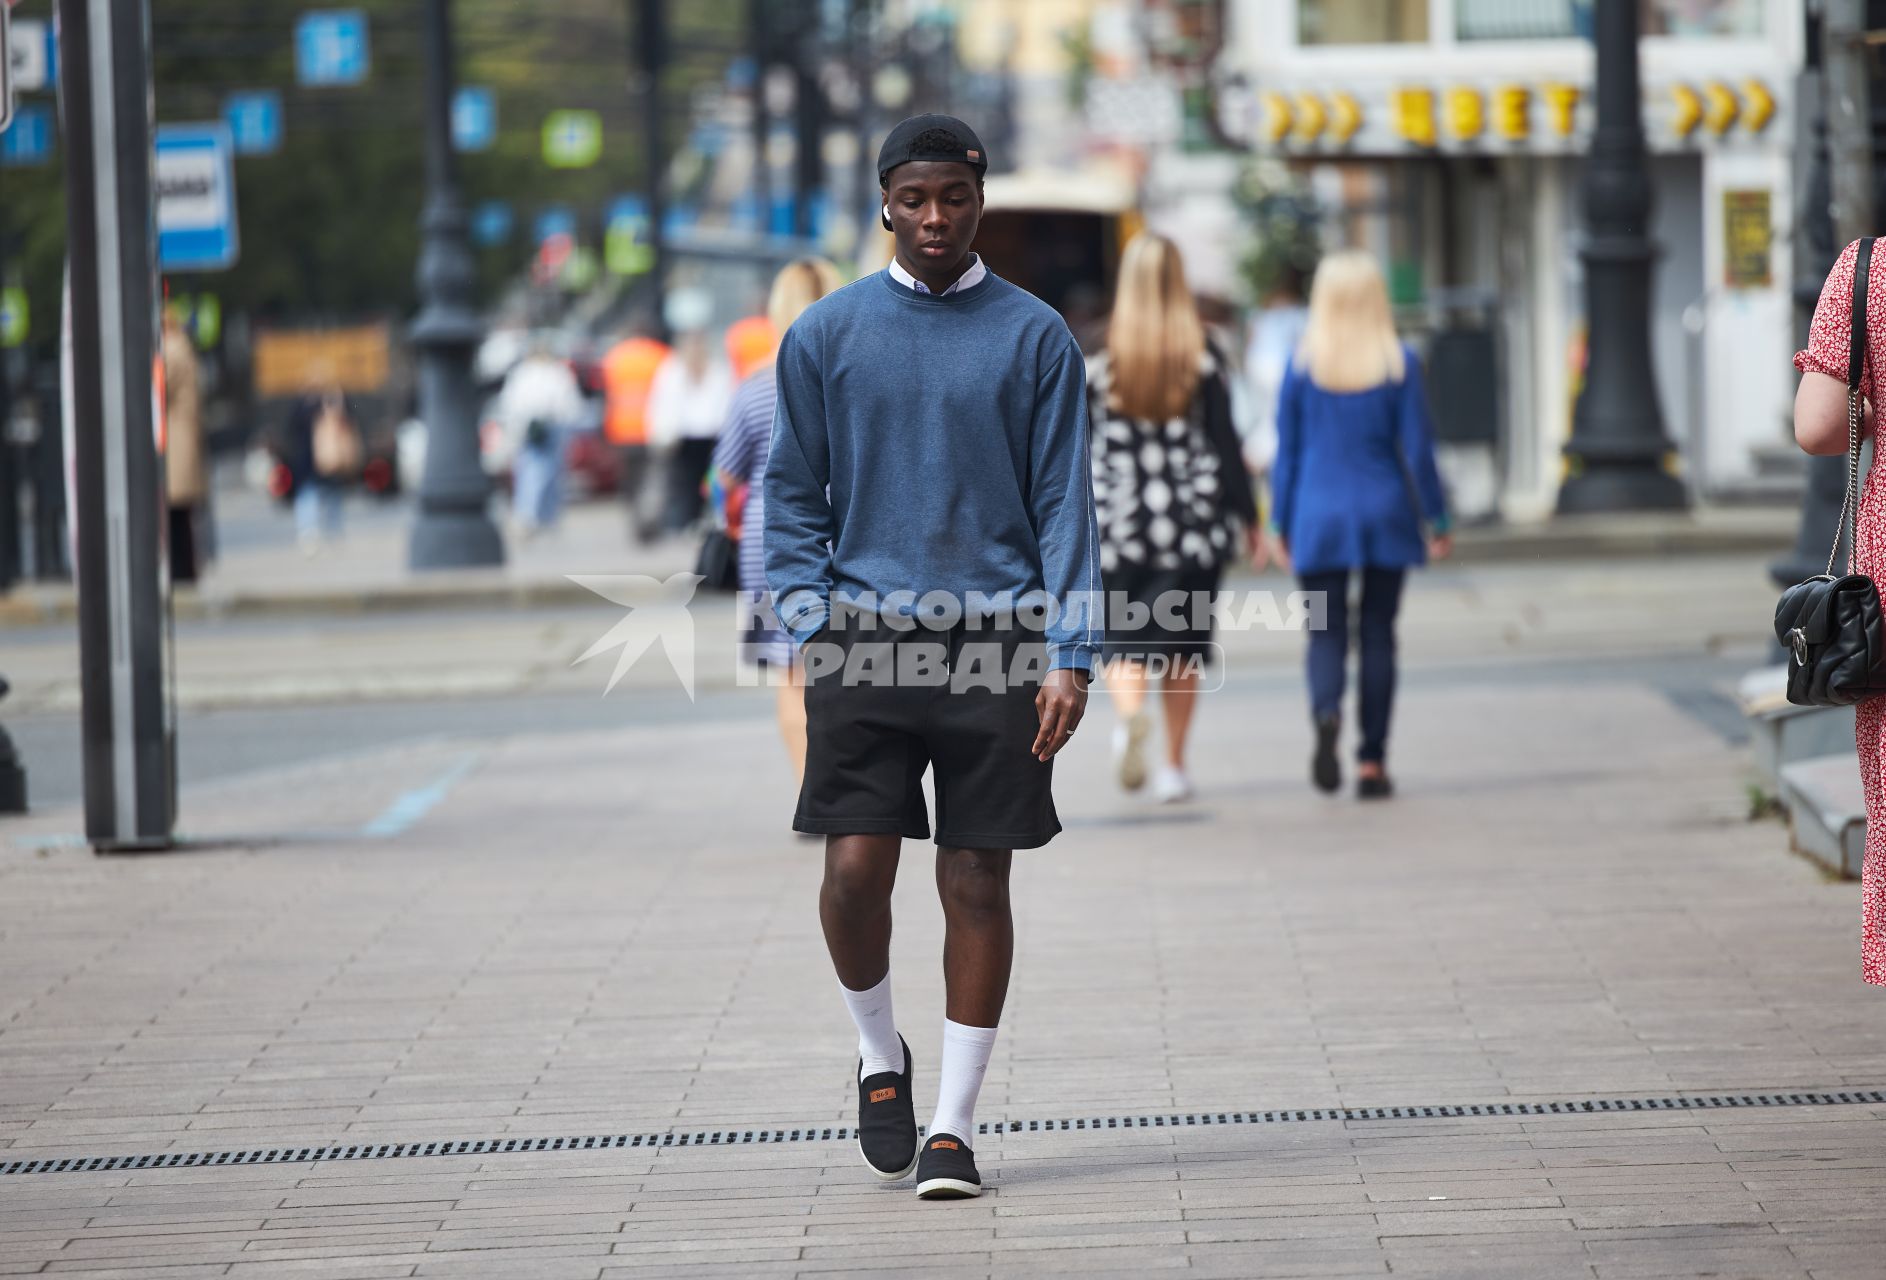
<point x="1173" y="499"/>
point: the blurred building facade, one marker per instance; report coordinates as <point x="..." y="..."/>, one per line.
<point x="1446" y="136"/>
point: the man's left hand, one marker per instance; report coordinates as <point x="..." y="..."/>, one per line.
<point x="1061" y="704"/>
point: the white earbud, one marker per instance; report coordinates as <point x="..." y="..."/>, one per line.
<point x="887" y="212"/>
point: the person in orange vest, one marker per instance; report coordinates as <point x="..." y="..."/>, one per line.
<point x="750" y="345"/>
<point x="628" y="371"/>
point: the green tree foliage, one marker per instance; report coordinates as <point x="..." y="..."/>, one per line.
<point x="329" y="224"/>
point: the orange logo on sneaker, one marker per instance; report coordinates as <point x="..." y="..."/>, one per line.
<point x="883" y="1095"/>
<point x="944" y="1142"/>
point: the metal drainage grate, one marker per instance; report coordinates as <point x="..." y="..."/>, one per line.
<point x="843" y="1133"/>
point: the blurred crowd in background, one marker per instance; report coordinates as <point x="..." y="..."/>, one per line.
<point x="636" y="172"/>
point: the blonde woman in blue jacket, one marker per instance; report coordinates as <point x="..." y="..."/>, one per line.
<point x="1355" y="493"/>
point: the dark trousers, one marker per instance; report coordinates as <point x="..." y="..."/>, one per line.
<point x="631" y="480"/>
<point x="687" y="472"/>
<point x="1375" y="635"/>
<point x="183" y="553"/>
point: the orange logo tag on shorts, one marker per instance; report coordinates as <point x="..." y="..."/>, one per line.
<point x="883" y="1095"/>
<point x="943" y="1143"/>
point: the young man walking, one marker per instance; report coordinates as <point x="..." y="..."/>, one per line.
<point x="930" y="544"/>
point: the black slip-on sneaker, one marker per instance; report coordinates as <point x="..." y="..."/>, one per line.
<point x="946" y="1169"/>
<point x="1325" y="769"/>
<point x="887" y="1121"/>
<point x="1374" y="787"/>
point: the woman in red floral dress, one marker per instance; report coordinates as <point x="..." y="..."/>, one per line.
<point x="1820" y="427"/>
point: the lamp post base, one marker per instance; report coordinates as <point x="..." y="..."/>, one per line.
<point x="455" y="540"/>
<point x="1611" y="487"/>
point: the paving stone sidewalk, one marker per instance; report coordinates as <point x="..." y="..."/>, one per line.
<point x="613" y="934"/>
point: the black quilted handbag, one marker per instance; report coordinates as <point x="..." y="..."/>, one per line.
<point x="1831" y="626"/>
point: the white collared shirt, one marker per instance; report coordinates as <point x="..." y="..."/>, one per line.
<point x="968" y="280"/>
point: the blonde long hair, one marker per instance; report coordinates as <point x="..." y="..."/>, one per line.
<point x="799" y="284"/>
<point x="1349" y="342"/>
<point x="1154" y="339"/>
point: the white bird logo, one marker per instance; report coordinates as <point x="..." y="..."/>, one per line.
<point x="658" y="611"/>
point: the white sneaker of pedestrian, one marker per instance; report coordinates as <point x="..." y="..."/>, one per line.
<point x="1170" y="785"/>
<point x="1129" y="750"/>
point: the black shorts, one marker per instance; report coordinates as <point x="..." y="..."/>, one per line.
<point x="868" y="743"/>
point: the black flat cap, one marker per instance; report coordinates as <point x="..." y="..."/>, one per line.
<point x="932" y="137"/>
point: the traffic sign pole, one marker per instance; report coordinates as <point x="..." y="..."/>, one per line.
<point x="127" y="720"/>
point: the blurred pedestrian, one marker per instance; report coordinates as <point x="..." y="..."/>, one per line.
<point x="186" y="469"/>
<point x="628" y="373"/>
<point x="1276" y="333"/>
<point x="1173" y="498"/>
<point x="1820" y="427"/>
<point x="740" y="460"/>
<point x="751" y="342"/>
<point x="687" y="406"/>
<point x="1355" y="491"/>
<point x="537" y="408"/>
<point x="323" y="454"/>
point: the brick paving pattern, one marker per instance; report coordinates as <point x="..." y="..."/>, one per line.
<point x="603" y="933"/>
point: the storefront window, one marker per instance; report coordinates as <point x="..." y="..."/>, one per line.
<point x="1521" y="19"/>
<point x="1563" y="19"/>
<point x="1362" y="21"/>
<point x="1703" y="17"/>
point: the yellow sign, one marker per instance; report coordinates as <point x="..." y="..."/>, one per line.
<point x="1345" y="116"/>
<point x="1689" y="110"/>
<point x="1761" y="106"/>
<point x="1276" y="117"/>
<point x="1512" y="112"/>
<point x="1466" y="113"/>
<point x="1414" y="116"/>
<point x="1310" y="116"/>
<point x="1748" y="235"/>
<point x="1561" y="103"/>
<point x="289" y="362"/>
<point x="1722" y="107"/>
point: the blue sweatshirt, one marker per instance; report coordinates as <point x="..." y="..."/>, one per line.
<point x="952" y="433"/>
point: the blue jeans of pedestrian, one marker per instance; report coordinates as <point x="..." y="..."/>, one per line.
<point x="1375" y="637"/>
<point x="317" y="509"/>
<point x="537" y="482"/>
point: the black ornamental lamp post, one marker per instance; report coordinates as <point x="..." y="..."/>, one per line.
<point x="1618" y="447"/>
<point x="454" y="528"/>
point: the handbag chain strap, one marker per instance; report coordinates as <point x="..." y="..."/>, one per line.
<point x="1856" y="366"/>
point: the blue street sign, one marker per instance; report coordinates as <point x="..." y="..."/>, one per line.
<point x="491" y="223"/>
<point x="677" y="218"/>
<point x="779" y="218"/>
<point x="28" y="140"/>
<point x="35" y="55"/>
<point x="255" y="121"/>
<point x="331" y="47"/>
<point x="557" y="220"/>
<point x="195" y="176"/>
<point x="474" y="118"/>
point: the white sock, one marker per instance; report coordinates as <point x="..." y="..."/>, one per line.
<point x="878" y="1044"/>
<point x="966" y="1053"/>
